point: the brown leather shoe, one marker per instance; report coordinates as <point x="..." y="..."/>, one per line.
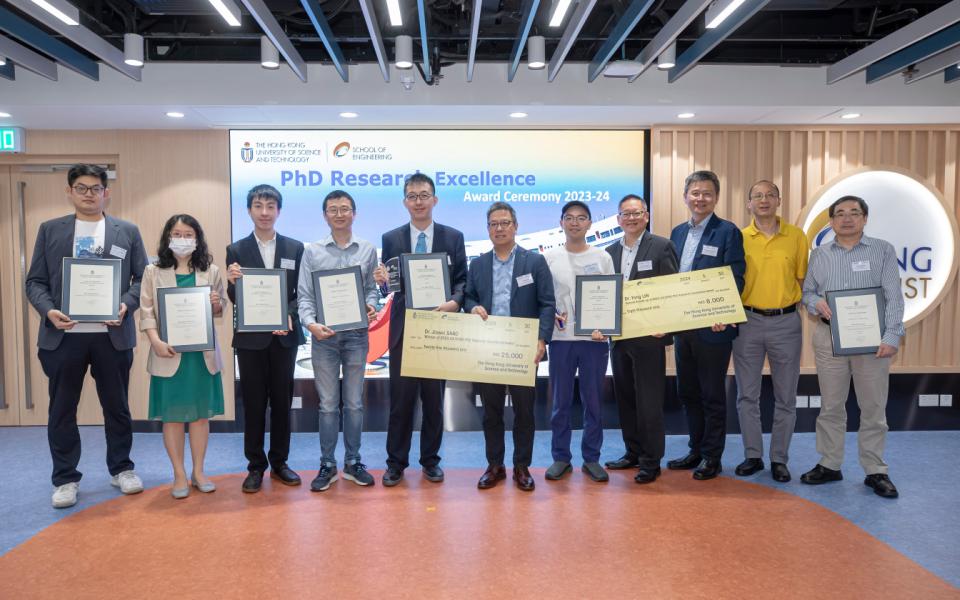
<point x="523" y="478"/>
<point x="491" y="476"/>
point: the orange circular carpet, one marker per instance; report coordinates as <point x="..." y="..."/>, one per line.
<point x="570" y="539"/>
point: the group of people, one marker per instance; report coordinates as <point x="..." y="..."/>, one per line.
<point x="768" y="259"/>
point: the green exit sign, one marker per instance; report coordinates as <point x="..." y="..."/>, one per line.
<point x="11" y="139"/>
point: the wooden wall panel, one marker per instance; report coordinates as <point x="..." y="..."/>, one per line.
<point x="800" y="160"/>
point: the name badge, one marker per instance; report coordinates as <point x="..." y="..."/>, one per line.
<point x="119" y="252"/>
<point x="861" y="265"/>
<point x="288" y="263"/>
<point x="645" y="265"/>
<point x="525" y="279"/>
<point x="591" y="269"/>
<point x="709" y="250"/>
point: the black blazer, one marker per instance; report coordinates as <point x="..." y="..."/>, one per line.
<point x="246" y="253"/>
<point x="445" y="239"/>
<point x="534" y="300"/>
<point x="662" y="255"/>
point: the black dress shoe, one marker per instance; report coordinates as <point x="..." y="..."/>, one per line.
<point x="285" y="475"/>
<point x="646" y="475"/>
<point x="523" y="478"/>
<point x="780" y="472"/>
<point x="820" y="474"/>
<point x="749" y="467"/>
<point x="707" y="469"/>
<point x="491" y="476"/>
<point x="252" y="482"/>
<point x="690" y="461"/>
<point x="433" y="473"/>
<point x="624" y="462"/>
<point x="882" y="486"/>
<point x="392" y="476"/>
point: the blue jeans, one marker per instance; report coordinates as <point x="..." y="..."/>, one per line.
<point x="349" y="349"/>
<point x="565" y="359"/>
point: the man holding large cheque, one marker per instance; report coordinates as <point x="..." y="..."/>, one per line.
<point x="510" y="281"/>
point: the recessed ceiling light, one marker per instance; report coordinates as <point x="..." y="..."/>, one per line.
<point x="850" y="116"/>
<point x="518" y="115"/>
<point x="349" y="115"/>
<point x="686" y="115"/>
<point x="175" y="114"/>
<point x="4" y="115"/>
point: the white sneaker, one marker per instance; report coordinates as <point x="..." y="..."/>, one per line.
<point x="128" y="482"/>
<point x="65" y="495"/>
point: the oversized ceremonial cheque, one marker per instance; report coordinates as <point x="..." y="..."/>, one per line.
<point x="464" y="347"/>
<point x="680" y="302"/>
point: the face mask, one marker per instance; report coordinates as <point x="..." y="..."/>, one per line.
<point x="183" y="246"/>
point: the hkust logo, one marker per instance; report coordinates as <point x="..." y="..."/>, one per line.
<point x="341" y="149"/>
<point x="246" y="153"/>
<point x="908" y="214"/>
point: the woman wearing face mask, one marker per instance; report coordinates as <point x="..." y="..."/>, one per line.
<point x="184" y="387"/>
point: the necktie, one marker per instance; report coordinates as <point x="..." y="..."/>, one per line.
<point x="421" y="244"/>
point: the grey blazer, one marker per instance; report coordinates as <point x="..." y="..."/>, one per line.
<point x="54" y="242"/>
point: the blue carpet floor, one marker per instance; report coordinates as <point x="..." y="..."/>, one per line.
<point x="923" y="524"/>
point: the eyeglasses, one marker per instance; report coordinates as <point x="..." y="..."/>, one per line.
<point x="341" y="210"/>
<point x="505" y="224"/>
<point x="768" y="196"/>
<point x="575" y="218"/>
<point x="701" y="195"/>
<point x="81" y="190"/>
<point x="632" y="215"/>
<point x="852" y="214"/>
<point x="422" y="196"/>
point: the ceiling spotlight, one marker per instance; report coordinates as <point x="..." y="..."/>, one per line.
<point x="403" y="52"/>
<point x="175" y="114"/>
<point x="686" y="115"/>
<point x="269" y="55"/>
<point x="133" y="49"/>
<point x="349" y="115"/>
<point x="518" y="115"/>
<point x="228" y="10"/>
<point x="849" y="115"/>
<point x="393" y="9"/>
<point x="4" y="115"/>
<point x="536" y="52"/>
<point x="719" y="10"/>
<point x="668" y="58"/>
<point x="3" y="61"/>
<point x="61" y="9"/>
<point x="560" y="9"/>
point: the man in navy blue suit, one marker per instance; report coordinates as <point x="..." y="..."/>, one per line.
<point x="705" y="241"/>
<point x="510" y="281"/>
<point x="420" y="235"/>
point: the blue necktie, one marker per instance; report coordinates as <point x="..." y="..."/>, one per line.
<point x="421" y="244"/>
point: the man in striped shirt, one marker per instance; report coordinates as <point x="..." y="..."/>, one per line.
<point x="853" y="261"/>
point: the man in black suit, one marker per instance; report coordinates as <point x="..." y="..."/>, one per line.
<point x="267" y="360"/>
<point x="419" y="236"/>
<point x="639" y="364"/>
<point x="510" y="281"/>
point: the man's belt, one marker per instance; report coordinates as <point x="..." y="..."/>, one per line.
<point x="772" y="312"/>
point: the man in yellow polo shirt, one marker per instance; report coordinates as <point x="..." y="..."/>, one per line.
<point x="776" y="254"/>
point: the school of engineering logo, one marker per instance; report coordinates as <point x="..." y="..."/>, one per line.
<point x="341" y="149"/>
<point x="909" y="214"/>
<point x="246" y="153"/>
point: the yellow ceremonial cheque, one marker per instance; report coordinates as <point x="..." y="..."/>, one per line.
<point x="679" y="302"/>
<point x="464" y="347"/>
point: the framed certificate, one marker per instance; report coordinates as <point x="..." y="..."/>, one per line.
<point x="262" y="300"/>
<point x="598" y="304"/>
<point x="91" y="289"/>
<point x="186" y="318"/>
<point x="856" y="326"/>
<point x="340" y="299"/>
<point x="426" y="279"/>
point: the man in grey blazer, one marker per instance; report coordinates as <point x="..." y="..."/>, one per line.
<point x="68" y="348"/>
<point x="639" y="364"/>
<point x="510" y="281"/>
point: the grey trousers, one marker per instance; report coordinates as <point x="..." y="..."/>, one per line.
<point x="871" y="378"/>
<point x="779" y="339"/>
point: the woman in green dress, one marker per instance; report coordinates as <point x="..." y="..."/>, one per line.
<point x="184" y="387"/>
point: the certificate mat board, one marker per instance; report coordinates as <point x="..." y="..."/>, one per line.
<point x="857" y="322"/>
<point x="340" y="298"/>
<point x="186" y="318"/>
<point x="262" y="300"/>
<point x="598" y="304"/>
<point x="464" y="347"/>
<point x="680" y="302"/>
<point x="91" y="289"/>
<point x="426" y="279"/>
